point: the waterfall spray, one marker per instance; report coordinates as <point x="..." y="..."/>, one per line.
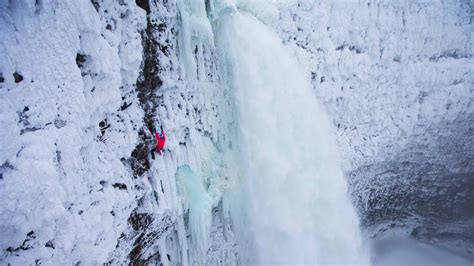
<point x="292" y="204"/>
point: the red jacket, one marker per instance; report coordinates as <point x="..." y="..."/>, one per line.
<point x="160" y="142"/>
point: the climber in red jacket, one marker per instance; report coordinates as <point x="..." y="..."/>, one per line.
<point x="160" y="142"/>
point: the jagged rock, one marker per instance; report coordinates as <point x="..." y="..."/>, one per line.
<point x="18" y="77"/>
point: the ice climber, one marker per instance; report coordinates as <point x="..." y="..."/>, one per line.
<point x="160" y="142"/>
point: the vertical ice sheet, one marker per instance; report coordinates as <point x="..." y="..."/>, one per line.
<point x="200" y="205"/>
<point x="292" y="205"/>
<point x="202" y="176"/>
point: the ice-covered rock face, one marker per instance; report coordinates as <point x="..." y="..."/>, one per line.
<point x="69" y="113"/>
<point x="81" y="85"/>
<point x="397" y="78"/>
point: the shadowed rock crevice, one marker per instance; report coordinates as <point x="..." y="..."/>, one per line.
<point x="148" y="84"/>
<point x="142" y="240"/>
<point x="18" y="77"/>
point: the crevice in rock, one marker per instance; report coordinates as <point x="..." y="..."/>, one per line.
<point x="18" y="77"/>
<point x="147" y="85"/>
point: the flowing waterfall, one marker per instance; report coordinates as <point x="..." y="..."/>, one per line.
<point x="292" y="204"/>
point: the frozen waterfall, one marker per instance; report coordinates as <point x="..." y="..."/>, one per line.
<point x="292" y="205"/>
<point x="288" y="202"/>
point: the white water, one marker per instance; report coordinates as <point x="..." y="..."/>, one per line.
<point x="292" y="205"/>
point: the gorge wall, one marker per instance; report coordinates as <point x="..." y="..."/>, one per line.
<point x="83" y="82"/>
